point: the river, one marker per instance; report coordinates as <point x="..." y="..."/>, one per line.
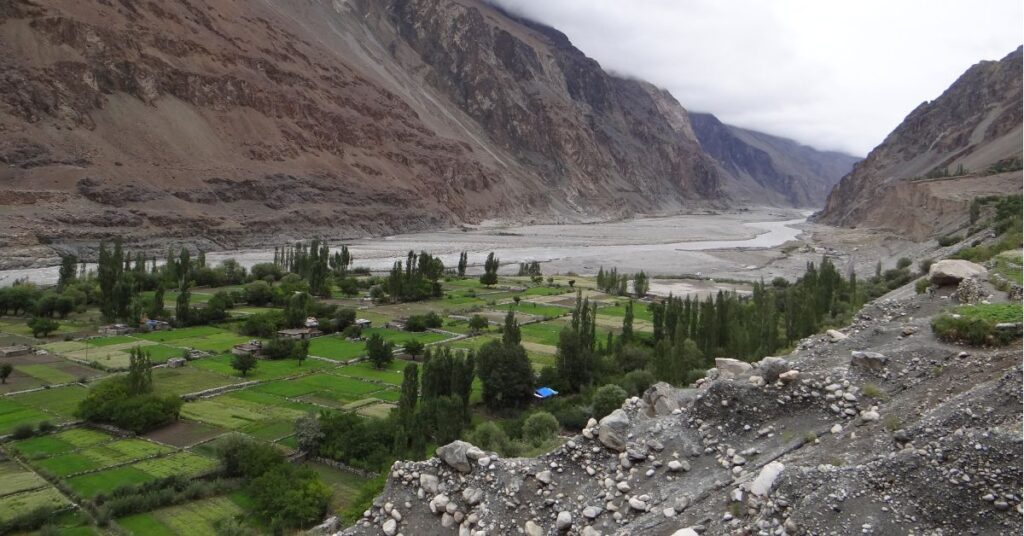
<point x="660" y="246"/>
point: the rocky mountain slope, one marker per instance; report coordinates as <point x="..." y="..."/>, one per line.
<point x="764" y="168"/>
<point x="974" y="124"/>
<point x="875" y="429"/>
<point x="235" y="122"/>
<point x="226" y="124"/>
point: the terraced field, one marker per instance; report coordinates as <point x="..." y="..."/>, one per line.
<point x="198" y="518"/>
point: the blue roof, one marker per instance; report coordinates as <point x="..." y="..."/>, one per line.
<point x="545" y="392"/>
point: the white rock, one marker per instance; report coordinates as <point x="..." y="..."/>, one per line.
<point x="636" y="504"/>
<point x="564" y="521"/>
<point x="789" y="376"/>
<point x="390" y="527"/>
<point x="729" y="367"/>
<point x="869" y="415"/>
<point x="591" y="512"/>
<point x="836" y="336"/>
<point x="685" y="532"/>
<point x="762" y="485"/>
<point x="836" y="428"/>
<point x="532" y="529"/>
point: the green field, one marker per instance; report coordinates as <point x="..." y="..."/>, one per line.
<point x="265" y="369"/>
<point x="335" y="347"/>
<point x="180" y="463"/>
<point x="14" y="478"/>
<point x="182" y="333"/>
<point x="391" y="375"/>
<point x="90" y="485"/>
<point x="235" y="411"/>
<point x="188" y="379"/>
<point x="47" y="373"/>
<point x="110" y="340"/>
<point x="17" y="504"/>
<point x="345" y="484"/>
<point x="100" y="456"/>
<point x="194" y="518"/>
<point x="544" y="311"/>
<point x="640" y="311"/>
<point x="60" y="443"/>
<point x="13" y="415"/>
<point x="59" y="401"/>
<point x="543" y="332"/>
<point x="399" y="337"/>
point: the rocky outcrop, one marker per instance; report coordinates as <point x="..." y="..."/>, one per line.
<point x="953" y="271"/>
<point x="920" y="181"/>
<point x="877" y="444"/>
<point x="762" y="168"/>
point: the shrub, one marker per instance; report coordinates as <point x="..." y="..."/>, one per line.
<point x="976" y="324"/>
<point x="949" y="240"/>
<point x="607" y="399"/>
<point x="23" y="431"/>
<point x="424" y="322"/>
<point x="45" y="426"/>
<point x="572" y="418"/>
<point x="903" y="262"/>
<point x="113" y="401"/>
<point x="637" y="381"/>
<point x="925" y="265"/>
<point x="922" y="285"/>
<point x="540" y="428"/>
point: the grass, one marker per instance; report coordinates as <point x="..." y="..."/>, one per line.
<point x="334" y="347"/>
<point x="345" y="484"/>
<point x="182" y="333"/>
<point x="640" y="311"/>
<point x="234" y="412"/>
<point x="60" y="443"/>
<point x="544" y="311"/>
<point x="543" y="333"/>
<point x="60" y="401"/>
<point x="193" y="518"/>
<point x="188" y="379"/>
<point x="182" y="463"/>
<point x="399" y="337"/>
<point x="90" y="485"/>
<point x="15" y="505"/>
<point x="265" y="369"/>
<point x="14" y="415"/>
<point x="976" y="324"/>
<point x="100" y="456"/>
<point x="14" y="478"/>
<point x="111" y="340"/>
<point x="1008" y="264"/>
<point x="391" y="375"/>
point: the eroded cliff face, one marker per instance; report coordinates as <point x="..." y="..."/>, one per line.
<point x="974" y="123"/>
<point x="237" y="123"/>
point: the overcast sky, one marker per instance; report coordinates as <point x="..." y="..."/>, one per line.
<point x="832" y="74"/>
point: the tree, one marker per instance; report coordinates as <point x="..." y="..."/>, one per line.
<point x="244" y="362"/>
<point x="540" y="428"/>
<point x="182" y="311"/>
<point x="68" y="270"/>
<point x="490" y="275"/>
<point x="478" y="323"/>
<point x="300" y="351"/>
<point x="289" y="497"/>
<point x="506" y="374"/>
<point x="156" y="307"/>
<point x="42" y="326"/>
<point x="308" y="433"/>
<point x="5" y="372"/>
<point x="627" y="323"/>
<point x="379" y="352"/>
<point x="297" y="310"/>
<point x="607" y="399"/>
<point x="511" y="334"/>
<point x="463" y="263"/>
<point x="409" y="394"/>
<point x="140" y="371"/>
<point x="641" y="284"/>
<point x="414" y="347"/>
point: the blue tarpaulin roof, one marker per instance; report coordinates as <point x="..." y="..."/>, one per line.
<point x="545" y="392"/>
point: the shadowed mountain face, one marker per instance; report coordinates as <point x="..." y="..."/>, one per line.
<point x="764" y="168"/>
<point x="922" y="178"/>
<point x="234" y="123"/>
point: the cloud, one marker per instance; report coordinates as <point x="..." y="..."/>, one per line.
<point x="831" y="74"/>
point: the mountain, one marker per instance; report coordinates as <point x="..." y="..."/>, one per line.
<point x="921" y="179"/>
<point x="765" y="168"/>
<point x="224" y="124"/>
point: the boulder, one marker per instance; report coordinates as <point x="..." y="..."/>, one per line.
<point x="762" y="485"/>
<point x="685" y="532"/>
<point x="868" y="360"/>
<point x="428" y="482"/>
<point x="329" y="526"/>
<point x="731" y="368"/>
<point x="952" y="271"/>
<point x="836" y="336"/>
<point x="613" y="430"/>
<point x="456" y="455"/>
<point x="390" y="527"/>
<point x="771" y="367"/>
<point x="533" y="529"/>
<point x="660" y="399"/>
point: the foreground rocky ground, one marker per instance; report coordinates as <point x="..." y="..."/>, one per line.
<point x="875" y="429"/>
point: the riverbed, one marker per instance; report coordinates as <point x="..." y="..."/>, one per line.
<point x="660" y="246"/>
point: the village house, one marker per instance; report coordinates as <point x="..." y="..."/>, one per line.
<point x="13" y="351"/>
<point x="253" y="347"/>
<point x="176" y="362"/>
<point x="363" y="323"/>
<point x="299" y="334"/>
<point x="115" y="329"/>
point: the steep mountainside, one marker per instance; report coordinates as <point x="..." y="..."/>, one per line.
<point x="901" y="185"/>
<point x="763" y="167"/>
<point x="236" y="123"/>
